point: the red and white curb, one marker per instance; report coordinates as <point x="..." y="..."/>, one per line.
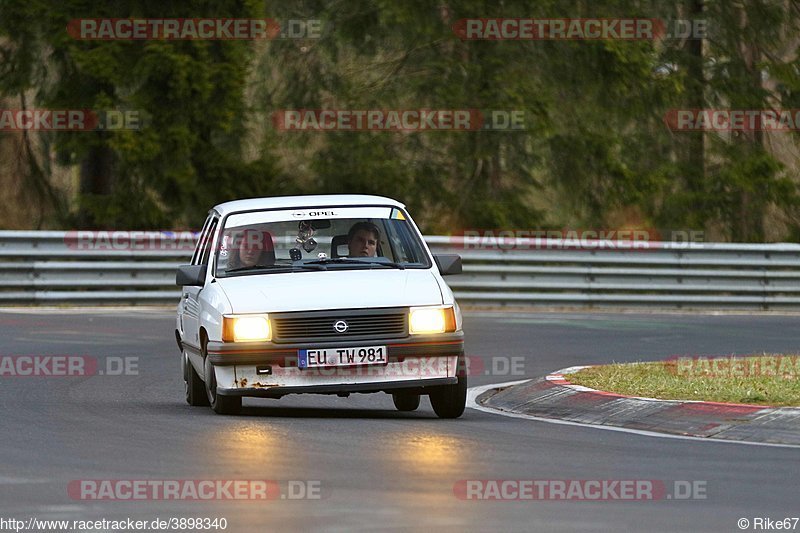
<point x="611" y="411"/>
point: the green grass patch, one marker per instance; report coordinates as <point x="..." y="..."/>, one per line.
<point x="761" y="380"/>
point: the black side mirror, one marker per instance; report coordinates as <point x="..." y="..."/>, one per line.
<point x="191" y="276"/>
<point x="448" y="264"/>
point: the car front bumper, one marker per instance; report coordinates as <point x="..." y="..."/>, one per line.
<point x="270" y="369"/>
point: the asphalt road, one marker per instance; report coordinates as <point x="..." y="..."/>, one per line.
<point x="377" y="468"/>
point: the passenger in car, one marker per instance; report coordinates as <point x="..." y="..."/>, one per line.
<point x="255" y="247"/>
<point x="363" y="239"/>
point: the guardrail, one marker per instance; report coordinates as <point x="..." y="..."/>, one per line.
<point x="49" y="267"/>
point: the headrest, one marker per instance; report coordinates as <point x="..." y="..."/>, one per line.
<point x="336" y="241"/>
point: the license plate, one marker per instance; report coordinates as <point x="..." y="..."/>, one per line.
<point x="329" y="357"/>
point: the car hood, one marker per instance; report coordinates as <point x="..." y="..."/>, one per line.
<point x="342" y="289"/>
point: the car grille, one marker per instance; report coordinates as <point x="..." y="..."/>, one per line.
<point x="318" y="326"/>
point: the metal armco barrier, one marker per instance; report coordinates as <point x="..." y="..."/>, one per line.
<point x="53" y="267"/>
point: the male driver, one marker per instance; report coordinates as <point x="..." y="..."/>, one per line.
<point x="362" y="240"/>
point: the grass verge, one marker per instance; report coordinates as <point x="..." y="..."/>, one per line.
<point x="760" y="380"/>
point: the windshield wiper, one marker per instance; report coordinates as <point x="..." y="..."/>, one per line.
<point x="351" y="261"/>
<point x="288" y="268"/>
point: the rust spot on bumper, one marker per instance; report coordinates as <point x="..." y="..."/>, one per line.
<point x="244" y="384"/>
<point x="258" y="385"/>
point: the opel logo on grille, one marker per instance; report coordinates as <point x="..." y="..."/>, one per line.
<point x="340" y="326"/>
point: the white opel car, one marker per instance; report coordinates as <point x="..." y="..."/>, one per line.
<point x="333" y="294"/>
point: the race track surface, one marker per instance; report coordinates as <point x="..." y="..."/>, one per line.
<point x="377" y="468"/>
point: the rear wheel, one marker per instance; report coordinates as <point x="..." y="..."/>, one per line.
<point x="405" y="401"/>
<point x="195" y="390"/>
<point x="222" y="405"/>
<point x="449" y="401"/>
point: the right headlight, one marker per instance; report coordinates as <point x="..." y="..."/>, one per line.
<point x="243" y="328"/>
<point x="423" y="320"/>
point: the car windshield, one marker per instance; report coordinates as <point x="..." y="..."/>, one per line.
<point x="301" y="240"/>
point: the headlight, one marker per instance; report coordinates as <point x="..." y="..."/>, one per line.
<point x="431" y="320"/>
<point x="246" y="328"/>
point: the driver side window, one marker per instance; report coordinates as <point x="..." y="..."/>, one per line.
<point x="200" y="240"/>
<point x="212" y="228"/>
<point x="203" y="251"/>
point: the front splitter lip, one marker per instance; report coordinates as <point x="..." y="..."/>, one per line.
<point x="377" y="386"/>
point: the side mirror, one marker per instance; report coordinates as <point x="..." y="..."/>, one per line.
<point x="448" y="264"/>
<point x="191" y="276"/>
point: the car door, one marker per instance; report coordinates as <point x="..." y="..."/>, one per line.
<point x="190" y="298"/>
<point x="181" y="304"/>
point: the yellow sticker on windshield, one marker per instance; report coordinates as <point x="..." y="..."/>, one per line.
<point x="397" y="215"/>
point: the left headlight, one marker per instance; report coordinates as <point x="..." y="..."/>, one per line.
<point x="245" y="328"/>
<point x="431" y="320"/>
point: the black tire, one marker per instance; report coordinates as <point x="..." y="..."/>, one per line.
<point x="449" y="401"/>
<point x="405" y="401"/>
<point x="222" y="405"/>
<point x="195" y="389"/>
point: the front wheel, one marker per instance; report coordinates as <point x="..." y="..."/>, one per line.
<point x="449" y="401"/>
<point x="222" y="405"/>
<point x="195" y="390"/>
<point x="405" y="401"/>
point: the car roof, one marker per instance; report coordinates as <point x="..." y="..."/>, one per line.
<point x="302" y="202"/>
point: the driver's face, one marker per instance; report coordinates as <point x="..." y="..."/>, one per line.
<point x="363" y="244"/>
<point x="250" y="248"/>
